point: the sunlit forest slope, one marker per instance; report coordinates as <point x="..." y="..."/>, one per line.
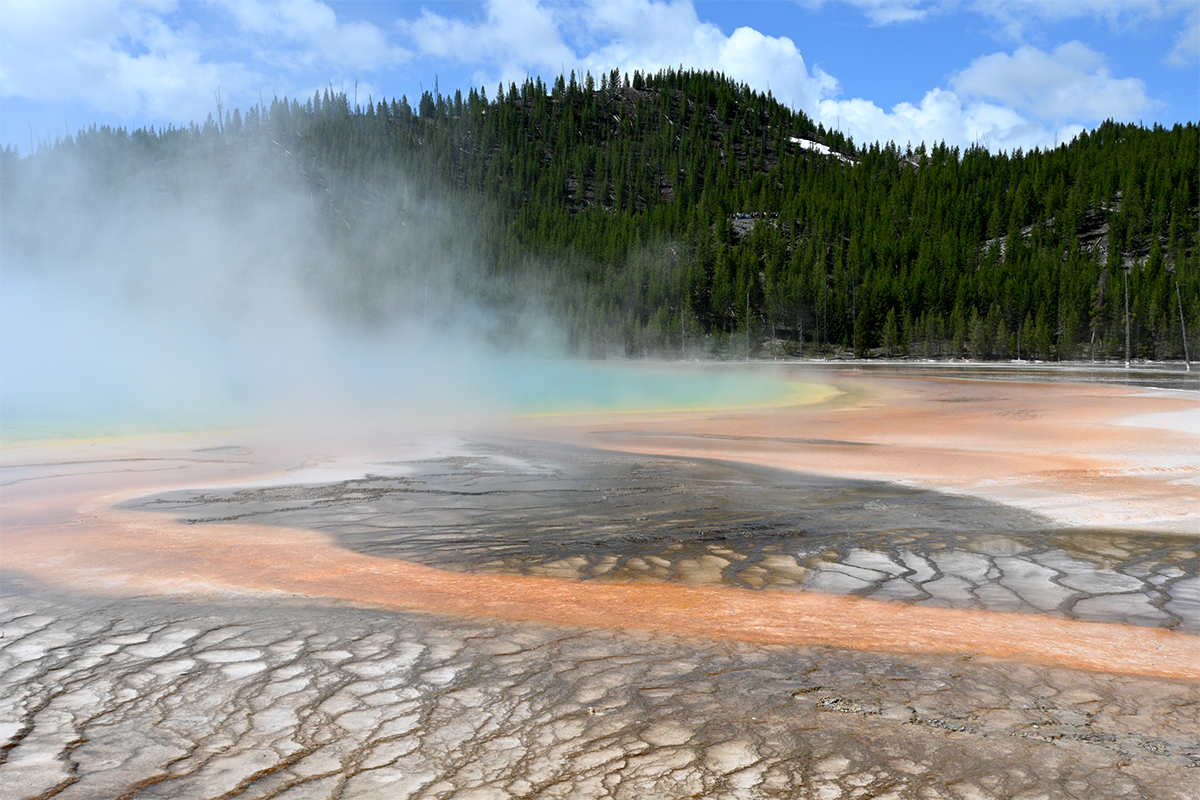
<point x="683" y="214"/>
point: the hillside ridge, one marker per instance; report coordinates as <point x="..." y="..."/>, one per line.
<point x="633" y="207"/>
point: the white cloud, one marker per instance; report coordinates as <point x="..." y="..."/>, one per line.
<point x="941" y="116"/>
<point x="1072" y="83"/>
<point x="1017" y="17"/>
<point x="651" y="36"/>
<point x="142" y="59"/>
<point x="1187" y="46"/>
<point x="1115" y="12"/>
<point x="886" y="12"/>
<point x="1017" y="14"/>
<point x="516" y="37"/>
<point x="767" y="62"/>
<point x="315" y="34"/>
<point x="120" y="57"/>
<point x="525" y="37"/>
<point x="165" y="59"/>
<point x="1025" y="99"/>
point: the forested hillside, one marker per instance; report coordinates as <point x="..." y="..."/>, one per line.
<point x="684" y="214"/>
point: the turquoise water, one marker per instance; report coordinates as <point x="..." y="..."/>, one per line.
<point x="580" y="387"/>
<point x="17" y="429"/>
<point x="487" y="387"/>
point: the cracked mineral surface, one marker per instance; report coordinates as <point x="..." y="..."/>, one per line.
<point x="167" y="698"/>
<point x="586" y="515"/>
<point x="924" y="588"/>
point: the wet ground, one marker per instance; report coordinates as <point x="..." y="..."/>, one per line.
<point x="1160" y="375"/>
<point x="217" y="689"/>
<point x="586" y="515"/>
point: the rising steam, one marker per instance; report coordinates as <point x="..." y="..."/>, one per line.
<point x="232" y="285"/>
<point x="229" y="284"/>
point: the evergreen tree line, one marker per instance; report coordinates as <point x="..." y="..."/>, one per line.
<point x="682" y="213"/>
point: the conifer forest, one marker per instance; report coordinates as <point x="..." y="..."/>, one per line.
<point x="682" y="214"/>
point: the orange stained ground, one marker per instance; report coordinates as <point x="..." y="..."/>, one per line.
<point x="1055" y="447"/>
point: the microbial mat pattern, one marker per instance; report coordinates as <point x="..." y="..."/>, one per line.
<point x="603" y="516"/>
<point x="154" y="699"/>
<point x="691" y="613"/>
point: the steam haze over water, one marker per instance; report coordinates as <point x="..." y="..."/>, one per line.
<point x="208" y="292"/>
<point x="213" y="290"/>
<point x="175" y="294"/>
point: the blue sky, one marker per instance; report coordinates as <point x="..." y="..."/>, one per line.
<point x="1005" y="73"/>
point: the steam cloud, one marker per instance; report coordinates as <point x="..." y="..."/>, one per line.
<point x="213" y="288"/>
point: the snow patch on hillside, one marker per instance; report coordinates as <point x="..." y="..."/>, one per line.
<point x="824" y="150"/>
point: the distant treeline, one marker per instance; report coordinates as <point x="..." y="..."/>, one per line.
<point x="683" y="213"/>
